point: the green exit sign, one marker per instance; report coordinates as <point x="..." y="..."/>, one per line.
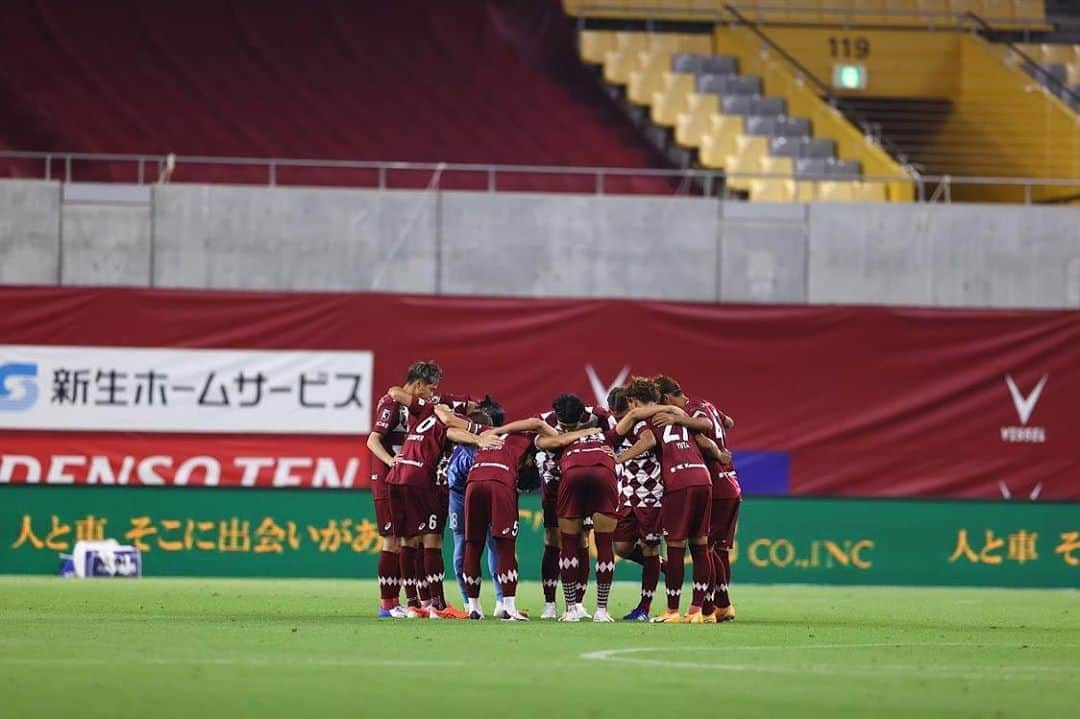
<point x="849" y="77"/>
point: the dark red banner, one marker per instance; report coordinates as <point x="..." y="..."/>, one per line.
<point x="827" y="400"/>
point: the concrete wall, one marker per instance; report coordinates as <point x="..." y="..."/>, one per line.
<point x="540" y="245"/>
<point x="29" y="232"/>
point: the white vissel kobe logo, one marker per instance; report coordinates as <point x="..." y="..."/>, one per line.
<point x="598" y="387"/>
<point x="1025" y="406"/>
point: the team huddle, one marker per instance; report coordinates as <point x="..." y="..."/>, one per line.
<point x="654" y="466"/>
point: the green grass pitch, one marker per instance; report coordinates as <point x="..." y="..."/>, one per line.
<point x="292" y="648"/>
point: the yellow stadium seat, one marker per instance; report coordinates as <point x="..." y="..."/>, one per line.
<point x="805" y="191"/>
<point x="1072" y="71"/>
<point x="694" y="123"/>
<point x="633" y="41"/>
<point x="595" y="45"/>
<point x="618" y="64"/>
<point x="648" y="77"/>
<point x="1032" y="50"/>
<point x="750" y="150"/>
<point x="671" y="43"/>
<point x="870" y="192"/>
<point x="672" y="99"/>
<point x="1063" y="54"/>
<point x="771" y="190"/>
<point x="995" y="12"/>
<point x="871" y="12"/>
<point x="720" y="140"/>
<point x="836" y="191"/>
<point x="903" y="12"/>
<point x="1030" y="10"/>
<point x="778" y="166"/>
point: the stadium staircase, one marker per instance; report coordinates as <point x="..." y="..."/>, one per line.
<point x="469" y="82"/>
<point x="947" y="93"/>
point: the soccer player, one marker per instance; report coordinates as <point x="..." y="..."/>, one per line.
<point x="418" y="509"/>
<point x="685" y="513"/>
<point x="587" y="488"/>
<point x="641" y="491"/>
<point x="491" y="505"/>
<point x="704" y="417"/>
<point x="550" y="572"/>
<point x="461" y="462"/>
<point x="384" y="442"/>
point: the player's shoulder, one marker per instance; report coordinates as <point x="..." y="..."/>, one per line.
<point x="549" y="418"/>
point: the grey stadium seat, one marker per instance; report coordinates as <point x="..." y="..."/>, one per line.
<point x="813" y="168"/>
<point x="778" y="126"/>
<point x="724" y="85"/>
<point x="746" y="105"/>
<point x="801" y="147"/>
<point x="704" y="64"/>
<point x="686" y="62"/>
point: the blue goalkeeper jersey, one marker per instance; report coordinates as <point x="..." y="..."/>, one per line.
<point x="461" y="461"/>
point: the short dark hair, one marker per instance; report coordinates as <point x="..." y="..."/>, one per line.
<point x="427" y="371"/>
<point x="617" y="401"/>
<point x="667" y="386"/>
<point x="481" y="418"/>
<point x="642" y="389"/>
<point x="568" y="408"/>
<point x="493" y="409"/>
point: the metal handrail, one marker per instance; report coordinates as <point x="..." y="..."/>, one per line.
<point x="493" y="171"/>
<point x="1062" y="85"/>
<point x="716" y="15"/>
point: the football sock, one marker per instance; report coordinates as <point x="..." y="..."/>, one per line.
<point x="605" y="566"/>
<point x="389" y="578"/>
<point x="568" y="567"/>
<point x="650" y="577"/>
<point x="508" y="569"/>
<point x="470" y="570"/>
<point x="703" y="574"/>
<point x="549" y="572"/>
<point x="723" y="579"/>
<point x="674" y="578"/>
<point x="410" y="575"/>
<point x="435" y="573"/>
<point x="583" y="568"/>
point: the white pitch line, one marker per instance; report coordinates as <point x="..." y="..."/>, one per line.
<point x="928" y="671"/>
<point x="228" y="662"/>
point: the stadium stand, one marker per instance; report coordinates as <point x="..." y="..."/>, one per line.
<point x="462" y="82"/>
<point x="1002" y="14"/>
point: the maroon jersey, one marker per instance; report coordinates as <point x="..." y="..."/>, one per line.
<point x="501" y="464"/>
<point x="725" y="482"/>
<point x="590" y="451"/>
<point x="424" y="443"/>
<point x="548" y="461"/>
<point x="392" y="422"/>
<point x="681" y="462"/>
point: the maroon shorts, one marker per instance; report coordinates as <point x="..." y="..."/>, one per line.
<point x="549" y="501"/>
<point x="490" y="504"/>
<point x="585" y="491"/>
<point x="686" y="512"/>
<point x="639" y="523"/>
<point x="415" y="510"/>
<point x="725" y="517"/>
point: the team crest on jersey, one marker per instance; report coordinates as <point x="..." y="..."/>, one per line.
<point x="384" y="416"/>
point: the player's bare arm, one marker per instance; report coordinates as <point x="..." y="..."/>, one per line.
<point x="626" y="424"/>
<point x="729" y="423"/>
<point x="483" y="441"/>
<point x="694" y="424"/>
<point x="645" y="442"/>
<point x="530" y="424"/>
<point x="375" y="445"/>
<point x="560" y="441"/>
<point x="711" y="449"/>
<point x="447" y="417"/>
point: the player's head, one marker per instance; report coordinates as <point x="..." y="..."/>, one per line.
<point x="641" y="391"/>
<point x="494" y="410"/>
<point x="670" y="390"/>
<point x="423" y="378"/>
<point x="568" y="410"/>
<point x="617" y="402"/>
<point x="481" y="418"/>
